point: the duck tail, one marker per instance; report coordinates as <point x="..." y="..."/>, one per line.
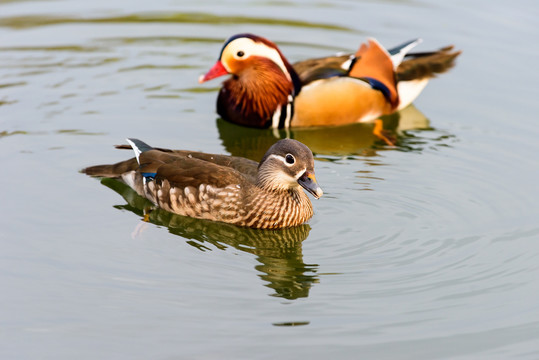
<point x="113" y="170"/>
<point x="427" y="65"/>
<point x="118" y="169"/>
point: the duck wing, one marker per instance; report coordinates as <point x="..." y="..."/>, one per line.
<point x="246" y="167"/>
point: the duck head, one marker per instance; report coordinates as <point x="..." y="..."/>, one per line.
<point x="262" y="86"/>
<point x="287" y="165"/>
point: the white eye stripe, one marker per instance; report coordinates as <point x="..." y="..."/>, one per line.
<point x="279" y="157"/>
<point x="250" y="47"/>
<point x="282" y="158"/>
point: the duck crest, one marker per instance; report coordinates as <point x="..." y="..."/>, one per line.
<point x="254" y="97"/>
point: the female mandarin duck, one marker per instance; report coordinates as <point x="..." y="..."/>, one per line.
<point x="239" y="191"/>
<point x="265" y="90"/>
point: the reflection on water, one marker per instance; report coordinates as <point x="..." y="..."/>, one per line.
<point x="349" y="140"/>
<point x="279" y="252"/>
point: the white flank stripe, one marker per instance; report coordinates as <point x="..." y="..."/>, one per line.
<point x="276" y="117"/>
<point x="288" y="112"/>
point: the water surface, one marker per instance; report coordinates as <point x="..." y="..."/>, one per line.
<point x="422" y="251"/>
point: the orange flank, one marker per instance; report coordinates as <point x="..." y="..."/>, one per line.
<point x="338" y="101"/>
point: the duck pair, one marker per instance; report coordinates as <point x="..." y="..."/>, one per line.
<point x="265" y="90"/>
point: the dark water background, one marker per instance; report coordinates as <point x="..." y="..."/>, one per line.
<point x="425" y="251"/>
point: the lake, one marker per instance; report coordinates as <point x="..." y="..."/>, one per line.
<point x="426" y="250"/>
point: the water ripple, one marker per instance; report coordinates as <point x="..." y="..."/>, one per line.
<point x="22" y="22"/>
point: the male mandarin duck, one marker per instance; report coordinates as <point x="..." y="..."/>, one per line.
<point x="265" y="90"/>
<point x="234" y="190"/>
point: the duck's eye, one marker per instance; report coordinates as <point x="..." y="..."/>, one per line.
<point x="240" y="53"/>
<point x="289" y="158"/>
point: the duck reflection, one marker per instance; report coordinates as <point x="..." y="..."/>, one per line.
<point x="279" y="252"/>
<point x="354" y="139"/>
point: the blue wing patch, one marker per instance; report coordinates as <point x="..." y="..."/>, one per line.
<point x="148" y="175"/>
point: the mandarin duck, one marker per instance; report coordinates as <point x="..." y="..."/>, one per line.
<point x="265" y="90"/>
<point x="234" y="190"/>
